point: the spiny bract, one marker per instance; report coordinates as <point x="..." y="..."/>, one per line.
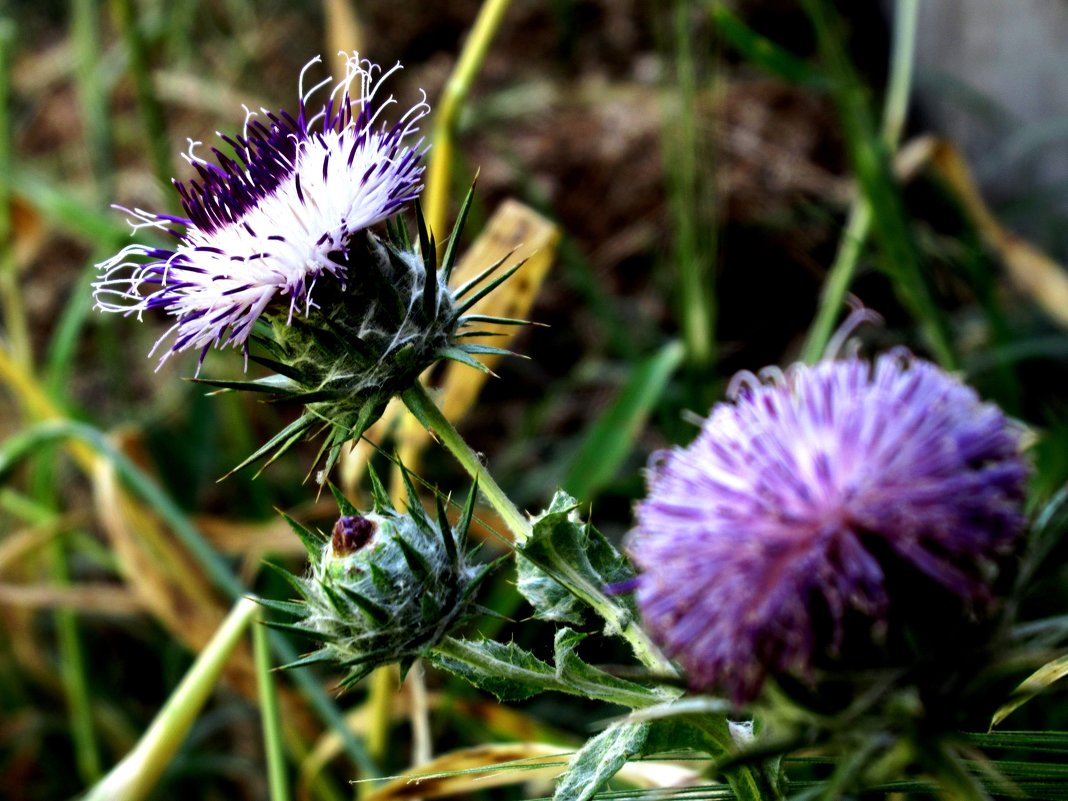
<point x="384" y="587"/>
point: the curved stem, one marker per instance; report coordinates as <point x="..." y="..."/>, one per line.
<point x="137" y="775"/>
<point x="832" y="299"/>
<point x="448" y="112"/>
<point x="427" y="412"/>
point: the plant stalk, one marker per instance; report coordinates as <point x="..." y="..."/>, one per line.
<point x="861" y="216"/>
<point x="137" y="775"/>
<point x="427" y="412"/>
<point x="277" y="781"/>
<point x="448" y="111"/>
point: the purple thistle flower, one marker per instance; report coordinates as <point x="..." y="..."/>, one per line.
<point x="781" y="516"/>
<point x="274" y="220"/>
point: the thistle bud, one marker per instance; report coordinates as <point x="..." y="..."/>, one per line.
<point x="384" y="587"/>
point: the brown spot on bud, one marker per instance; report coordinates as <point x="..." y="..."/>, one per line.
<point x="350" y="534"/>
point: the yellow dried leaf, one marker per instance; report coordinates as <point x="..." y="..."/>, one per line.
<point x="1030" y="270"/>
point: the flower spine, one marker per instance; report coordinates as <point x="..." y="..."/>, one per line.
<point x="385" y="586"/>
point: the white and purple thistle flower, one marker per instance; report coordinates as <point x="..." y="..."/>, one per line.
<point x="799" y="497"/>
<point x="269" y="221"/>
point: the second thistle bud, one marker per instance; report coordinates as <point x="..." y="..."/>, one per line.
<point x="385" y="586"/>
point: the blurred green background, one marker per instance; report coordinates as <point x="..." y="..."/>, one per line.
<point x="710" y="165"/>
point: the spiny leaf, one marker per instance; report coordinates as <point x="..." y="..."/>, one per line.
<point x="492" y="285"/>
<point x="448" y="261"/>
<point x="272" y="384"/>
<point x="486" y="318"/>
<point x="380" y="500"/>
<point x="513" y="673"/>
<point x="416" y="561"/>
<point x="429" y="609"/>
<point x="355" y="676"/>
<point x="314" y="658"/>
<point x="279" y="367"/>
<point x="426" y="238"/>
<point x="600" y="759"/>
<point x="415" y="506"/>
<point x="381" y="580"/>
<point x="460" y="355"/>
<point x="295" y="628"/>
<point x="446" y="532"/>
<point x="463" y="525"/>
<point x="283" y="440"/>
<point x="373" y="611"/>
<point x="344" y="505"/>
<point x="285" y="607"/>
<point x="293" y="581"/>
<point x="581" y="561"/>
<point x="313" y="540"/>
<point x="475" y="348"/>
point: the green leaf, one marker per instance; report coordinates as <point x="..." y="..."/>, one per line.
<point x="600" y="759"/>
<point x="512" y="673"/>
<point x="344" y="505"/>
<point x="761" y="51"/>
<point x="581" y="561"/>
<point x="550" y="599"/>
<point x="448" y="261"/>
<point x="273" y="384"/>
<point x="505" y="670"/>
<point x="313" y="540"/>
<point x="458" y="354"/>
<point x="611" y="438"/>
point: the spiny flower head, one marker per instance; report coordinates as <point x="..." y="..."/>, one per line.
<point x="384" y="586"/>
<point x="261" y="227"/>
<point x="290" y="214"/>
<point x="788" y="509"/>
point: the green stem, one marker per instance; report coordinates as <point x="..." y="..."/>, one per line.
<point x="450" y="105"/>
<point x="138" y="773"/>
<point x="92" y="95"/>
<point x="272" y="726"/>
<point x="69" y="645"/>
<point x="861" y="217"/>
<point x="73" y="673"/>
<point x="689" y="174"/>
<point x="421" y="405"/>
<point x="427" y="412"/>
<point x="125" y="15"/>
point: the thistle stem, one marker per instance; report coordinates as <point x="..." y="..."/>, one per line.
<point x="861" y="216"/>
<point x="452" y="101"/>
<point x="427" y="412"/>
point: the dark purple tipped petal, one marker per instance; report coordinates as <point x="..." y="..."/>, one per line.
<point x="309" y="182"/>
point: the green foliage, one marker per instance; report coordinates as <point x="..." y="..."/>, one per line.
<point x="566" y="557"/>
<point x="385" y="588"/>
<point x="512" y="673"/>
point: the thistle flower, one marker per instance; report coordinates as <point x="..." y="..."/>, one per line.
<point x="384" y="586"/>
<point x="268" y="222"/>
<point x="294" y="208"/>
<point x="798" y="500"/>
